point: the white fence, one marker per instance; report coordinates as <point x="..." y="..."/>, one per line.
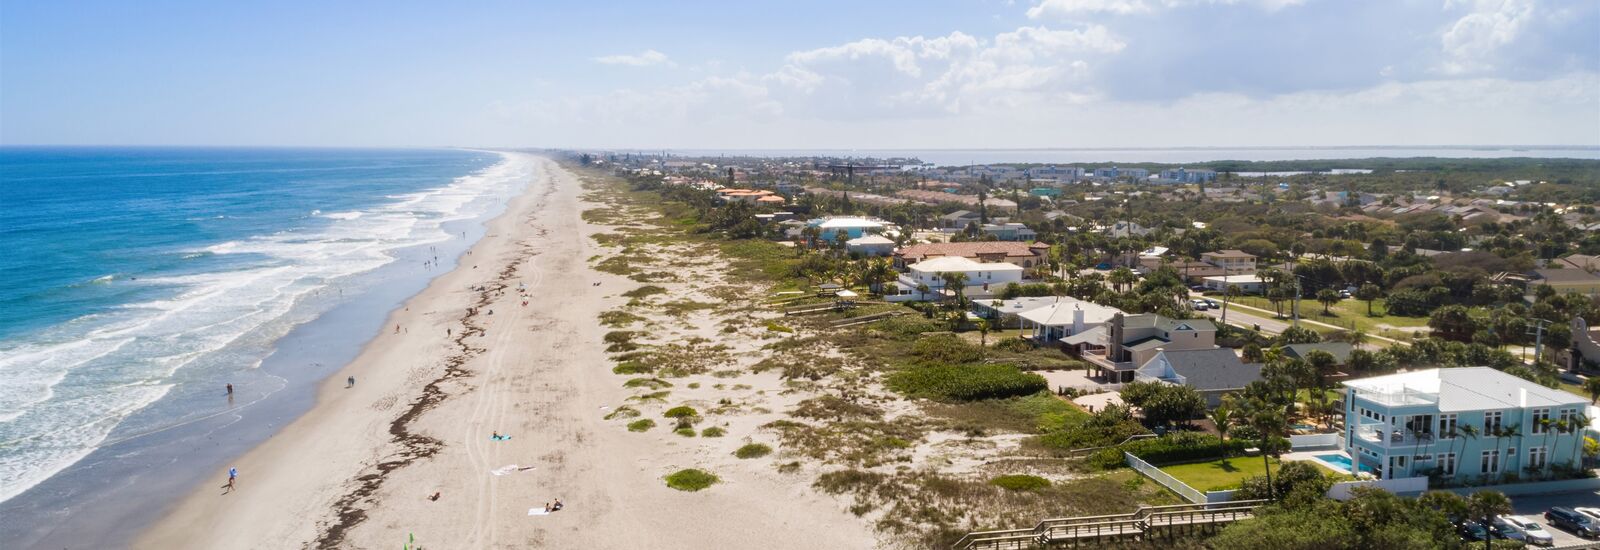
<point x="1399" y="486"/>
<point x="1312" y="441"/>
<point x="1164" y="479"/>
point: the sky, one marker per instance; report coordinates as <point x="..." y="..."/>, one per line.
<point x="832" y="74"/>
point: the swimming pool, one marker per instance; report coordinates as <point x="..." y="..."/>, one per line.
<point x="1340" y="462"/>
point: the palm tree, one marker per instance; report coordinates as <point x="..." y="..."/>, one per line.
<point x="1486" y="505"/>
<point x="1357" y="338"/>
<point x="1592" y="387"/>
<point x="983" y="333"/>
<point x="1467" y="431"/>
<point x="1328" y="297"/>
<point x="956" y="280"/>
<point x="1123" y="276"/>
<point x="1368" y="293"/>
<point x="1505" y="433"/>
<point x="922" y="290"/>
<point x="1576" y="424"/>
<point x="1269" y="423"/>
<point x="1222" y="417"/>
<point x="1229" y="291"/>
<point x="1546" y="425"/>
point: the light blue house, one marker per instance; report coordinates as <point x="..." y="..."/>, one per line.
<point x="852" y="226"/>
<point x="1472" y="424"/>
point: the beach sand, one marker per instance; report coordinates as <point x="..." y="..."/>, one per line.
<point x="357" y="470"/>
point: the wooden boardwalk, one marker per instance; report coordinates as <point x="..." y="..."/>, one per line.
<point x="1146" y="523"/>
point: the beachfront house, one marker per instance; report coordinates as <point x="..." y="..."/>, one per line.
<point x="853" y="227"/>
<point x="1231" y="261"/>
<point x="1127" y="342"/>
<point x="1066" y="317"/>
<point x="1211" y="372"/>
<point x="1019" y="253"/>
<point x="984" y="280"/>
<point x="1469" y="424"/>
<point x="870" y="245"/>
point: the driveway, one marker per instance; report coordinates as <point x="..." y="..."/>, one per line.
<point x="1534" y="506"/>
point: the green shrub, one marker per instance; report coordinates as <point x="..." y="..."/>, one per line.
<point x="643" y="291"/>
<point x="1174" y="448"/>
<point x="652" y="383"/>
<point x="623" y="412"/>
<point x="1015" y="345"/>
<point x="619" y="336"/>
<point x="753" y="450"/>
<point x="643" y="424"/>
<point x="945" y="349"/>
<point x="1020" y="482"/>
<point x="774" y="327"/>
<point x="966" y="383"/>
<point x="631" y="368"/>
<point x="691" y="480"/>
<point x="686" y="432"/>
<point x="681" y="411"/>
<point x="713" y="432"/>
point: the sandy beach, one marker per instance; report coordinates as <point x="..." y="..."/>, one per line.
<point x="469" y="360"/>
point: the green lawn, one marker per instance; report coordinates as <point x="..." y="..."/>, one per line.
<point x="1350" y="314"/>
<point x="1218" y="475"/>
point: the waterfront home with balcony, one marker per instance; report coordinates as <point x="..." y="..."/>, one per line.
<point x="984" y="279"/>
<point x="1470" y="424"/>
<point x="1127" y="342"/>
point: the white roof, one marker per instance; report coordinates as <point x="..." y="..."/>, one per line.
<point x="1469" y="389"/>
<point x="1235" y="279"/>
<point x="957" y="263"/>
<point x="843" y="223"/>
<point x="1016" y="306"/>
<point x="870" y="239"/>
<point x="1060" y="313"/>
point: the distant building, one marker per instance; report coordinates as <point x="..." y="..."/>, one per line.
<point x="1233" y="261"/>
<point x="1009" y="231"/>
<point x="1127" y="342"/>
<point x="1117" y="173"/>
<point x="1022" y="254"/>
<point x="958" y="220"/>
<point x="1248" y="284"/>
<point x="852" y="226"/>
<point x="1565" y="280"/>
<point x="1185" y="175"/>
<point x="870" y="245"/>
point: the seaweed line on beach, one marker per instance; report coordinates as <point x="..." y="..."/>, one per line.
<point x="413" y="447"/>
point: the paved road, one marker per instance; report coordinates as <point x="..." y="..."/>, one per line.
<point x="1246" y="318"/>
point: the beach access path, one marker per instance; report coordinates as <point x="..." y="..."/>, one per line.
<point x="357" y="470"/>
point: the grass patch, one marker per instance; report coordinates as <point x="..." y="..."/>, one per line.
<point x="686" y="432"/>
<point x="1218" y="475"/>
<point x="641" y="425"/>
<point x="713" y="432"/>
<point x="691" y="480"/>
<point x="775" y="327"/>
<point x="1037" y="413"/>
<point x="1020" y="482"/>
<point x="652" y="383"/>
<point x="619" y="318"/>
<point x="681" y="411"/>
<point x="753" y="450"/>
<point x="623" y="412"/>
<point x="643" y="291"/>
<point x="656" y="397"/>
<point x="630" y="367"/>
<point x="966" y="382"/>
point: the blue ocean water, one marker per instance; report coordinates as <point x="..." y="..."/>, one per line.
<point x="127" y="274"/>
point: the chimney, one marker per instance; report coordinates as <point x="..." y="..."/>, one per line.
<point x="1077" y="319"/>
<point x="1114" y="339"/>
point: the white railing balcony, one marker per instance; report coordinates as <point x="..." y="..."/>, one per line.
<point x="1399" y="398"/>
<point x="1388" y="436"/>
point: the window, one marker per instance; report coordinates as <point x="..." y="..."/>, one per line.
<point x="1447" y="426"/>
<point x="1491" y="422"/>
<point x="1541" y="417"/>
<point x="1490" y="463"/>
<point x="1447" y="463"/>
<point x="1537" y="456"/>
<point x="1567" y="414"/>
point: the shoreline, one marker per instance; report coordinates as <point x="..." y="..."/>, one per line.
<point x="406" y="455"/>
<point x="126" y="485"/>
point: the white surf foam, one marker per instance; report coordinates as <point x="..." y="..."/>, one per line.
<point x="69" y="386"/>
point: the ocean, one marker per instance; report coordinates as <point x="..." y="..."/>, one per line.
<point x="135" y="283"/>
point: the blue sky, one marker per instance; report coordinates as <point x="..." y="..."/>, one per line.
<point x="827" y="74"/>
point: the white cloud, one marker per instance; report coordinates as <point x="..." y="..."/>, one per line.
<point x="1127" y="7"/>
<point x="642" y="59"/>
<point x="1471" y="42"/>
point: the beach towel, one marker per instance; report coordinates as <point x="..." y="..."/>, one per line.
<point x="499" y="437"/>
<point x="538" y="511"/>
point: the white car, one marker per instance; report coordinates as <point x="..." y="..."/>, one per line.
<point x="1591" y="512"/>
<point x="1524" y="529"/>
<point x="1199" y="305"/>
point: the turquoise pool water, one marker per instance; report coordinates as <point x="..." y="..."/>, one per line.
<point x="1340" y="461"/>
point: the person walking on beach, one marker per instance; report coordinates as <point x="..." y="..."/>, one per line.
<point x="233" y="474"/>
<point x="350" y="382"/>
<point x="230" y="389"/>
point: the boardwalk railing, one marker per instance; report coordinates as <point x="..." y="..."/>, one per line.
<point x="1140" y="524"/>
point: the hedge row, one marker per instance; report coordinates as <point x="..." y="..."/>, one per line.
<point x="966" y="382"/>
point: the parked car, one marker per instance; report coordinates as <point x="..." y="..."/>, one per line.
<point x="1591" y="512"/>
<point x="1571" y="520"/>
<point x="1103" y="266"/>
<point x="1212" y="303"/>
<point x="1524" y="529"/>
<point x="1472" y="531"/>
<point x="1199" y="305"/>
<point x="1197" y="288"/>
<point x="1344" y="294"/>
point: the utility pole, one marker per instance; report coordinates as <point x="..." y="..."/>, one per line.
<point x="1296" y="306"/>
<point x="1538" y="338"/>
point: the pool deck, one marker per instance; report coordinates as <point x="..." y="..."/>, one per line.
<point x="1311" y="456"/>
